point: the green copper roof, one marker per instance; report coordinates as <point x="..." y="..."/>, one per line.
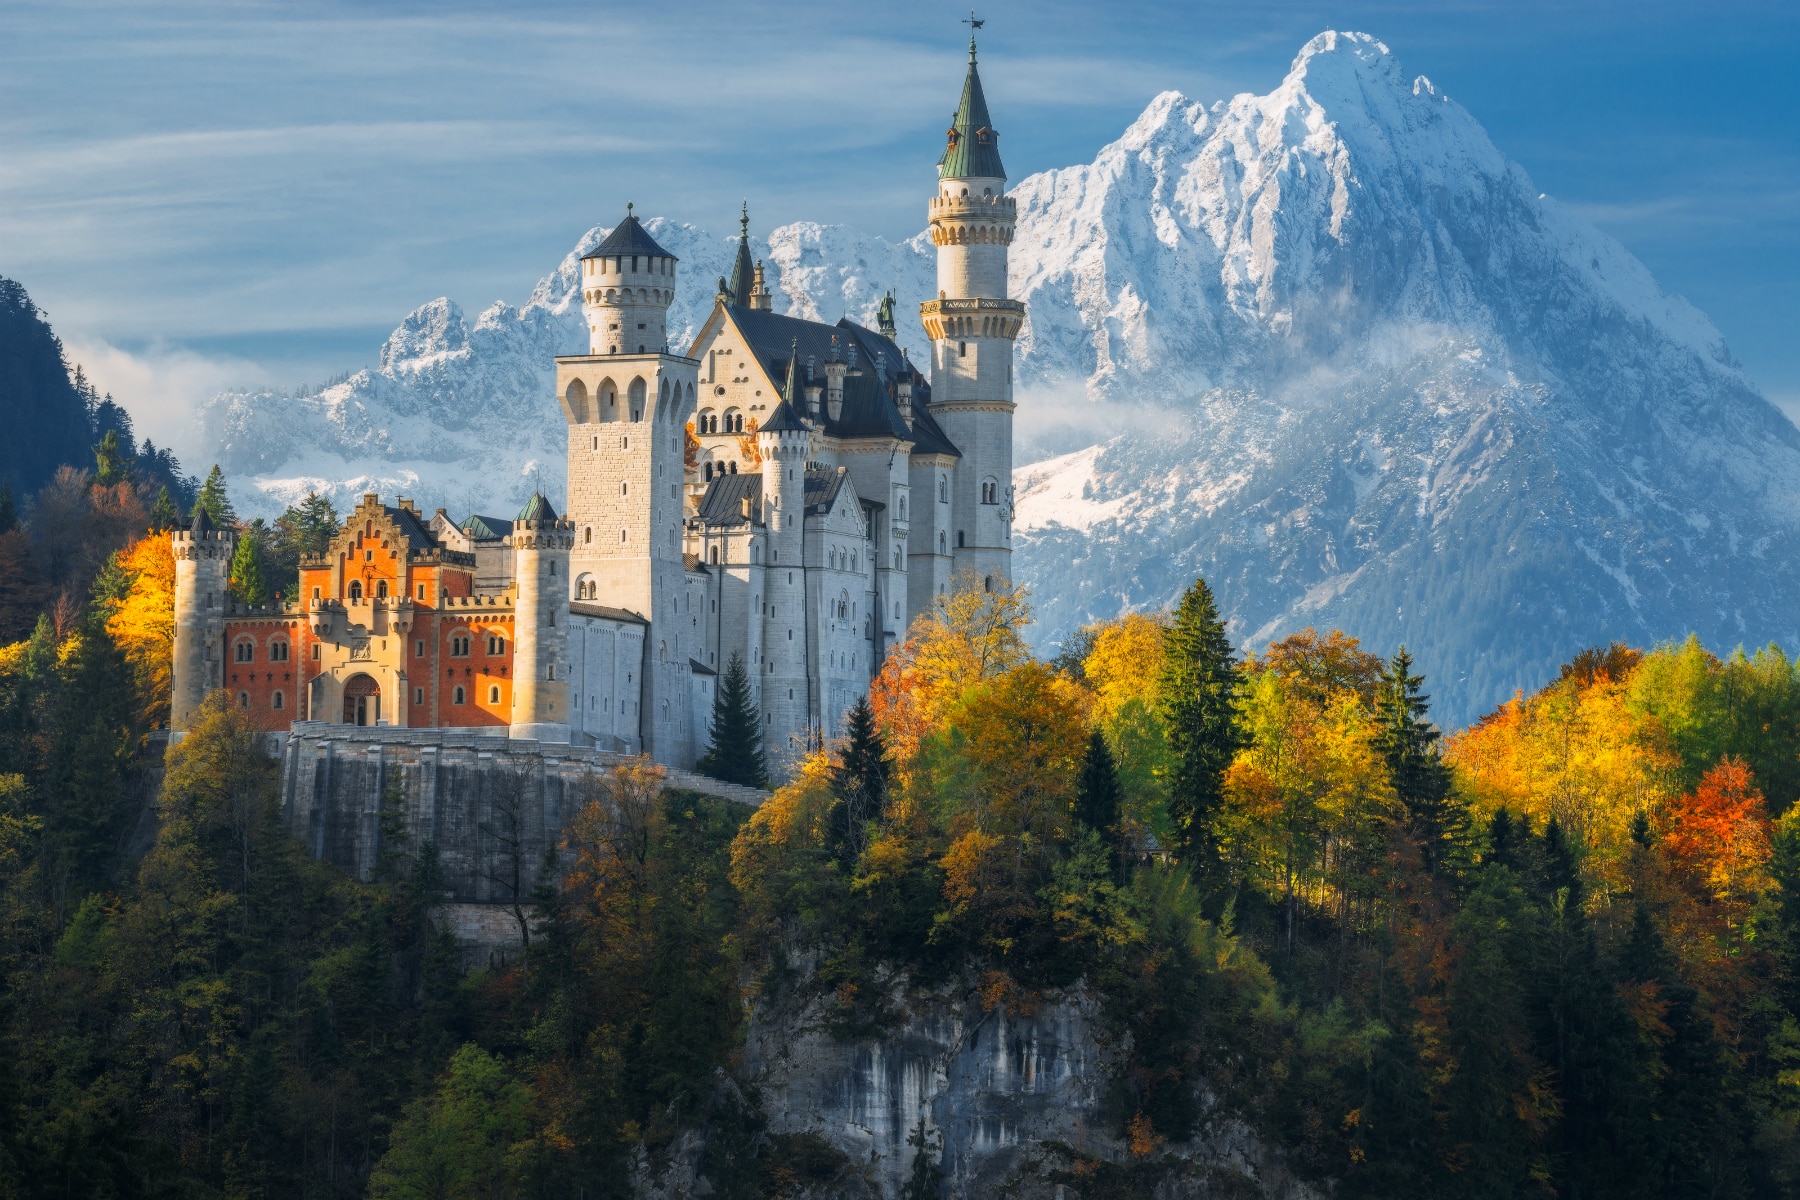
<point x="537" y="509"/>
<point x="974" y="148"/>
<point x="743" y="273"/>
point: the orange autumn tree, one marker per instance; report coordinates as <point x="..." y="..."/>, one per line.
<point x="1718" y="834"/>
<point x="142" y="621"/>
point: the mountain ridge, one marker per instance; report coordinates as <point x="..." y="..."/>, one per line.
<point x="1358" y="371"/>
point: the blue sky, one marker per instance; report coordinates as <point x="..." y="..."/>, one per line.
<point x="203" y="194"/>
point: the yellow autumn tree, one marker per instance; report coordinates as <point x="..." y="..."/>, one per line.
<point x="1124" y="663"/>
<point x="142" y="621"/>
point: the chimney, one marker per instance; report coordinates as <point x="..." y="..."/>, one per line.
<point x="903" y="398"/>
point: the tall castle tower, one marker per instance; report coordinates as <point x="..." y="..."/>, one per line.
<point x="783" y="441"/>
<point x="202" y="570"/>
<point x="541" y="542"/>
<point x="972" y="325"/>
<point x="627" y="402"/>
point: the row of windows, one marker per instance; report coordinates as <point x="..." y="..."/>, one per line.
<point x="278" y="701"/>
<point x="245" y="650"/>
<point x="459" y="645"/>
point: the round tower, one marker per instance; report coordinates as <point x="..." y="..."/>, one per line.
<point x="627" y="283"/>
<point x="202" y="572"/>
<point x="972" y="325"/>
<point x="540" y="692"/>
<point x="783" y="441"/>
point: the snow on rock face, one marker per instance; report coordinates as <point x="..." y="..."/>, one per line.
<point x="1377" y="381"/>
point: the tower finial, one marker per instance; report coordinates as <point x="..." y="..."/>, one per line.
<point x="973" y="25"/>
<point x="744" y="221"/>
<point x="628" y="210"/>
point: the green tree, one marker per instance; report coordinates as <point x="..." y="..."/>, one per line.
<point x="1409" y="743"/>
<point x="9" y="512"/>
<point x="454" y="1143"/>
<point x="305" y="528"/>
<point x="736" y="753"/>
<point x="249" y="580"/>
<point x="111" y="465"/>
<point x="213" y="499"/>
<point x="1198" y="693"/>
<point x="859" y="782"/>
<point x="163" y="514"/>
<point x="1097" y="792"/>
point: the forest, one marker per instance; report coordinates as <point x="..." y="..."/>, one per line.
<point x="1554" y="954"/>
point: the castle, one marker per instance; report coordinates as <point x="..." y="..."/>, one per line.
<point x="786" y="491"/>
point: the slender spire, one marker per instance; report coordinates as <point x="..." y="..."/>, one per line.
<point x="973" y="149"/>
<point x="743" y="273"/>
<point x="786" y="417"/>
<point x="792" y="391"/>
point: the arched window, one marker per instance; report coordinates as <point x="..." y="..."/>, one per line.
<point x="381" y="589"/>
<point x="959" y="539"/>
<point x="496" y="644"/>
<point x="943" y="489"/>
<point x="277" y="701"/>
<point x="243" y="699"/>
<point x="903" y="508"/>
<point x="637" y="394"/>
<point x="494" y="694"/>
<point x="278" y="650"/>
<point x="941" y="547"/>
<point x="245" y="651"/>
<point x="587" y="535"/>
<point x="456" y="696"/>
<point x="356" y="591"/>
<point x="707" y="472"/>
<point x="714" y="555"/>
<point x="734" y="468"/>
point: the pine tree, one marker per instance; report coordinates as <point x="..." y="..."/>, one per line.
<point x="1097" y="789"/>
<point x="163" y="514"/>
<point x="860" y="783"/>
<point x="1198" y="688"/>
<point x="305" y="528"/>
<point x="736" y="754"/>
<point x="9" y="512"/>
<point x="213" y="499"/>
<point x="1409" y="743"/>
<point x="110" y="462"/>
<point x="249" y="580"/>
<point x="926" y="1179"/>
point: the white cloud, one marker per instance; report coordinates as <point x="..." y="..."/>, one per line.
<point x="162" y="387"/>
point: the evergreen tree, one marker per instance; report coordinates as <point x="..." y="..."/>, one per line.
<point x="163" y="514"/>
<point x="249" y="580"/>
<point x="213" y="499"/>
<point x="305" y="528"/>
<point x="111" y="464"/>
<point x="860" y="783"/>
<point x="9" y="512"/>
<point x="1097" y="792"/>
<point x="1198" y="687"/>
<point x="736" y="753"/>
<point x="926" y="1180"/>
<point x="1409" y="742"/>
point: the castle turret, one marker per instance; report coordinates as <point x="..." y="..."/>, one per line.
<point x="627" y="402"/>
<point x="202" y="571"/>
<point x="541" y="542"/>
<point x="787" y="702"/>
<point x="972" y="325"/>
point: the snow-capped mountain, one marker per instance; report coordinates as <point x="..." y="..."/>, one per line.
<point x="1333" y="351"/>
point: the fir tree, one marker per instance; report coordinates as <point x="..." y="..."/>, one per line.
<point x="249" y="580"/>
<point x="1409" y="743"/>
<point x="9" y="512"/>
<point x="926" y="1180"/>
<point x="111" y="465"/>
<point x="1198" y="688"/>
<point x="213" y="499"/>
<point x="736" y="754"/>
<point x="305" y="528"/>
<point x="1097" y="788"/>
<point x="860" y="783"/>
<point x="163" y="514"/>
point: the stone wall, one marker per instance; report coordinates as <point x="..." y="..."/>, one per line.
<point x="455" y="789"/>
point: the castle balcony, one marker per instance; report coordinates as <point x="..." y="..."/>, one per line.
<point x="974" y="208"/>
<point x="972" y="317"/>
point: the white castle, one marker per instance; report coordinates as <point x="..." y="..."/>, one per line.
<point x="788" y="492"/>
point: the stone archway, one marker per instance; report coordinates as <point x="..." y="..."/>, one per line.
<point x="362" y="701"/>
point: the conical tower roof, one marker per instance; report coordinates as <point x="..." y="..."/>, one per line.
<point x="786" y="417"/>
<point x="627" y="238"/>
<point x="974" y="148"/>
<point x="537" y="509"/>
<point x="201" y="523"/>
<point x="743" y="272"/>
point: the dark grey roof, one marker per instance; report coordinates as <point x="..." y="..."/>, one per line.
<point x="972" y="149"/>
<point x="202" y="523"/>
<point x="743" y="274"/>
<point x="722" y="504"/>
<point x="876" y="366"/>
<point x="417" y="534"/>
<point x="537" y="509"/>
<point x="485" y="529"/>
<point x="783" y="420"/>
<point x="628" y="237"/>
<point x="822" y="488"/>
<point x="928" y="436"/>
<point x="700" y="668"/>
<point x="582" y="608"/>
